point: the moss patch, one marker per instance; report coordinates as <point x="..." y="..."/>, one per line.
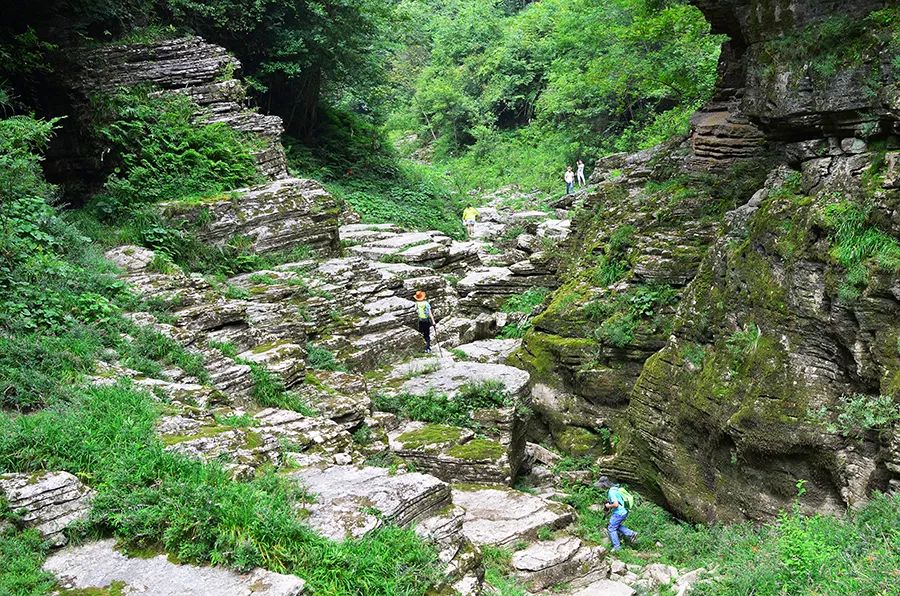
<point x="482" y="449"/>
<point x="431" y="434"/>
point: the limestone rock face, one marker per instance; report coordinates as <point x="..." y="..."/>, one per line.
<point x="189" y="66"/>
<point x="98" y="565"/>
<point x="563" y="560"/>
<point x="284" y="214"/>
<point x="757" y="325"/>
<point x="48" y="502"/>
<point x="501" y="516"/>
<point x="351" y="501"/>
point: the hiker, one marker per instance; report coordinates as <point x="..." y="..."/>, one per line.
<point x="470" y="214"/>
<point x="580" y="173"/>
<point x="426" y="319"/>
<point x="616" y="498"/>
<point x="570" y="180"/>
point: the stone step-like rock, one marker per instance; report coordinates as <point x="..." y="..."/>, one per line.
<point x="277" y="434"/>
<point x="563" y="560"/>
<point x="454" y="454"/>
<point x="450" y="379"/>
<point x="48" y="501"/>
<point x="98" y="566"/>
<point x="339" y="396"/>
<point x="351" y="501"/>
<point x="499" y="516"/>
<point x="605" y="587"/>
<point x="284" y="214"/>
<point x="463" y="569"/>
<point x="490" y="351"/>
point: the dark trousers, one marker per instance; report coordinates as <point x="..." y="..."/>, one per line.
<point x="425" y="330"/>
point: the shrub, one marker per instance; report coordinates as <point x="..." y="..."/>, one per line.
<point x="434" y="407"/>
<point x="163" y="154"/>
<point x="319" y="358"/>
<point x="858" y="413"/>
<point x="527" y="301"/>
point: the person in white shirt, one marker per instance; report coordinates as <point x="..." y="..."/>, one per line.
<point x="580" y="173"/>
<point x="570" y="180"/>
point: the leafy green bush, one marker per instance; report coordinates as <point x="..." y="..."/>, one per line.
<point x="527" y="301"/>
<point x="858" y="413"/>
<point x="319" y="358"/>
<point x="622" y="314"/>
<point x="21" y="557"/>
<point x="163" y="154"/>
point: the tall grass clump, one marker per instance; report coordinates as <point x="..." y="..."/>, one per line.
<point x="149" y="498"/>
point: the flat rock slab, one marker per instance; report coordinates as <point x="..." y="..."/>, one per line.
<point x="499" y="516"/>
<point x="48" y="502"/>
<point x="449" y="379"/>
<point x="491" y="351"/>
<point x="565" y="559"/>
<point x="605" y="587"/>
<point x="99" y="565"/>
<point x="352" y="501"/>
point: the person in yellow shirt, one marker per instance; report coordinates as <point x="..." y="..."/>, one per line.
<point x="470" y="214"/>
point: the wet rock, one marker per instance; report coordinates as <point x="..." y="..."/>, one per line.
<point x="351" y="501"/>
<point x="501" y="517"/>
<point x="98" y="566"/>
<point x="47" y="502"/>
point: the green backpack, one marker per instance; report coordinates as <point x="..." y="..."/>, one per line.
<point x="627" y="497"/>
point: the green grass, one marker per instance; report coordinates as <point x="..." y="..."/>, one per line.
<point x="795" y="554"/>
<point x="21" y="557"/>
<point x="436" y="407"/>
<point x="320" y="358"/>
<point x="269" y="392"/>
<point x="147" y="497"/>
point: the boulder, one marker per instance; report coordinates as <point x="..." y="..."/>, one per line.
<point x="490" y="351"/>
<point x="498" y="516"/>
<point x="98" y="567"/>
<point x="449" y="379"/>
<point x="563" y="560"/>
<point x="351" y="501"/>
<point x="284" y="214"/>
<point x="606" y="587"/>
<point x="47" y="502"/>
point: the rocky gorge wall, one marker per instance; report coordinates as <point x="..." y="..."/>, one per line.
<point x="726" y="291"/>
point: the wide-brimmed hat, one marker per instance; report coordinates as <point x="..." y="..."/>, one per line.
<point x="420" y="295"/>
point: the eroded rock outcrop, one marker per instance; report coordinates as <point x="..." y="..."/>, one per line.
<point x="48" y="502"/>
<point x="723" y="304"/>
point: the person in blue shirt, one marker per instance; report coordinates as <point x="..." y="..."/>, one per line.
<point x="616" y="503"/>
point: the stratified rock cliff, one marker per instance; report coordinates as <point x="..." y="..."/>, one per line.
<point x="729" y="291"/>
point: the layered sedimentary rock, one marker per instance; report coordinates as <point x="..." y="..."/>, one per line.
<point x="48" y="502"/>
<point x="285" y="214"/>
<point x="724" y="305"/>
<point x="98" y="567"/>
<point x="191" y="66"/>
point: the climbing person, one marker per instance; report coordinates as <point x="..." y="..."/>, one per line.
<point x="616" y="500"/>
<point x="470" y="214"/>
<point x="570" y="180"/>
<point x="580" y="173"/>
<point x="426" y="319"/>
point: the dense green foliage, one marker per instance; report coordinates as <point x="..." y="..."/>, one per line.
<point x="163" y="155"/>
<point x="512" y="96"/>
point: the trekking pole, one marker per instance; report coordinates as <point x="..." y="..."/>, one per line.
<point x="440" y="350"/>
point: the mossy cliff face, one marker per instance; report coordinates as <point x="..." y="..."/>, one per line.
<point x="724" y="292"/>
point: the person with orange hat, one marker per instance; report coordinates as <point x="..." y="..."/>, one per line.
<point x="426" y="319"/>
